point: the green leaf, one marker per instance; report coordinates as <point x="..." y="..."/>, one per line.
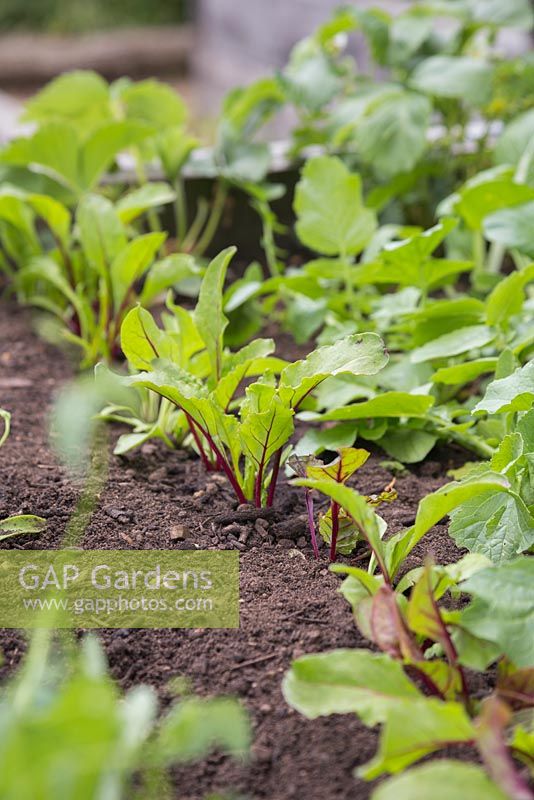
<point x="20" y="525"/>
<point x="391" y="135"/>
<point x="503" y="608"/>
<point x="497" y="526"/>
<point x="180" y="387"/>
<point x="459" y="77"/>
<point x="369" y="524"/>
<point x="80" y="97"/>
<point x="54" y="149"/>
<point x="316" y="440"/>
<point x="349" y="460"/>
<point x="209" y="315"/>
<point x="408" y="446"/>
<point x="344" y="681"/>
<point x="371" y="583"/>
<point x="525" y="426"/>
<point x="347" y="534"/>
<point x="48" y="270"/>
<point x="513" y="14"/>
<point x="142" y="341"/>
<point x="154" y="103"/>
<point x="253" y="359"/>
<point x="512" y="227"/>
<point x="103" y="145"/>
<point x="440" y="780"/>
<point x="389" y="404"/>
<point x="454" y="343"/>
<point x="13" y="209"/>
<point x="514" y="393"/>
<point x="54" y="213"/>
<point x="132" y="262"/>
<point x="303" y="315"/>
<point x="507" y="297"/>
<point x="135" y="203"/>
<point x="167" y="273"/>
<point x="507" y="454"/>
<point x="413" y="731"/>
<point x="358" y="354"/>
<point x="437" y="505"/>
<point x="464" y="373"/>
<point x="100" y="231"/>
<point x="423" y="614"/>
<point x="407" y="33"/>
<point x="266" y="424"/>
<point x="331" y="217"/>
<point x="196" y="726"/>
<point x="246" y="108"/>
<point x="311" y="79"/>
<point x="438" y="317"/>
<point x="514" y="140"/>
<point x="480" y="198"/>
<point x="173" y="147"/>
<point x="409" y="262"/>
<point x="245" y="161"/>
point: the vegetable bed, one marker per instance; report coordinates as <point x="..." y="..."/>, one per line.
<point x="353" y="413"/>
<point x="290" y="601"/>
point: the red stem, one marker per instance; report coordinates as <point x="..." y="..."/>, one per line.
<point x="227" y="469"/>
<point x="450" y="649"/>
<point x="205" y="460"/>
<point x="335" y="530"/>
<point x="311" y="522"/>
<point x="274" y="477"/>
<point x="258" y="486"/>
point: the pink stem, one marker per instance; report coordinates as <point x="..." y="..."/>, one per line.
<point x="274" y="477"/>
<point x="311" y="522"/>
<point x="335" y="530"/>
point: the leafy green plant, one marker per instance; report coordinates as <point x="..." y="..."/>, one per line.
<point x="95" y="122"/>
<point x="331" y="217"/>
<point x="105" y="744"/>
<point x="385" y="123"/>
<point x="21" y="523"/>
<point x="87" y="270"/>
<point x="244" y="437"/>
<point x="424" y="641"/>
<point x="498" y="523"/>
<point x="335" y="526"/>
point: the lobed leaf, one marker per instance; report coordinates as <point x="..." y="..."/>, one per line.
<point x="331" y="217"/>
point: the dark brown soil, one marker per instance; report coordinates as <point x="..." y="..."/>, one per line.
<point x="289" y="603"/>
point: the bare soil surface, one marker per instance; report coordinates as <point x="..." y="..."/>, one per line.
<point x="289" y="601"/>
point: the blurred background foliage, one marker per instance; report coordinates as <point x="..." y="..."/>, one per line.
<point x="80" y="16"/>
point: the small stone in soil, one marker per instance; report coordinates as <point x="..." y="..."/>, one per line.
<point x="186" y="546"/>
<point x="233" y="529"/>
<point x="293" y="553"/>
<point x="119" y="514"/>
<point x="179" y="532"/>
